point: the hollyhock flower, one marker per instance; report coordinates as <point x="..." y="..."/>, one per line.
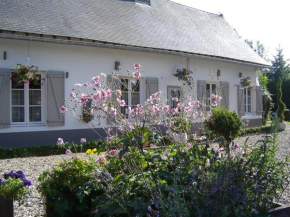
<point x="137" y="65"/>
<point x="188" y="97"/>
<point x="175" y="99"/>
<point x="214" y="104"/>
<point x="97" y="96"/>
<point x="109" y="93"/>
<point x="195" y="114"/>
<point x="136" y="74"/>
<point x="166" y="109"/>
<point x="83" y="140"/>
<point x="191" y="103"/>
<point x="201" y="114"/>
<point x="139" y="106"/>
<point x="113" y="111"/>
<point x="63" y="110"/>
<point x="118" y="93"/>
<point x="84" y="98"/>
<point x="153" y="96"/>
<point x="180" y="104"/>
<point x="60" y="141"/>
<point x="96" y="79"/>
<point x="155" y="108"/>
<point x="218" y="98"/>
<point x="73" y="95"/>
<point x="175" y="111"/>
<point x="101" y="160"/>
<point x="68" y="152"/>
<point x="109" y="139"/>
<point x="122" y="103"/>
<point x="158" y="93"/>
<point x="128" y="110"/>
<point x="27" y="82"/>
<point x="187" y="109"/>
<point x="112" y="153"/>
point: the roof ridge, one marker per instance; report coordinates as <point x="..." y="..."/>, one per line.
<point x="194" y="8"/>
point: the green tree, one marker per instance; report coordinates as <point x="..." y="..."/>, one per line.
<point x="281" y="105"/>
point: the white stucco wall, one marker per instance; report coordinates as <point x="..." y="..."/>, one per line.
<point x="83" y="63"/>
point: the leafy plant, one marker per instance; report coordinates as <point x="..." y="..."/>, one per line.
<point x="14" y="186"/>
<point x="180" y="125"/>
<point x="246" y="82"/>
<point x="184" y="75"/>
<point x="25" y="74"/>
<point x="281" y="105"/>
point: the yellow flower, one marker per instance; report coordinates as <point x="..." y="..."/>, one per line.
<point x="94" y="150"/>
<point x="89" y="151"/>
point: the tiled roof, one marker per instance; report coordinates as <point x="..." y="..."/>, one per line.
<point x="163" y="25"/>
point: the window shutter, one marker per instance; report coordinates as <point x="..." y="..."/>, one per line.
<point x="4" y="98"/>
<point x="201" y="85"/>
<point x="55" y="98"/>
<point x="113" y="84"/>
<point x="241" y="102"/>
<point x="151" y="86"/>
<point x="259" y="100"/>
<point x="225" y="94"/>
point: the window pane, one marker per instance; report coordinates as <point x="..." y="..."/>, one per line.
<point x="135" y="98"/>
<point x="125" y="97"/>
<point x="207" y="90"/>
<point x="17" y="114"/>
<point x="17" y="97"/>
<point x="124" y="84"/>
<point x="123" y="110"/>
<point x="34" y="114"/>
<point x="214" y="89"/>
<point x="135" y="85"/>
<point x="249" y="108"/>
<point x="34" y="97"/>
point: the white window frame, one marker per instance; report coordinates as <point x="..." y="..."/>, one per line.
<point x="129" y="103"/>
<point x="26" y="103"/>
<point x="247" y="101"/>
<point x="210" y="93"/>
<point x="169" y="97"/>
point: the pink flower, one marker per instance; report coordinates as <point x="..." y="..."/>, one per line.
<point x="220" y="150"/>
<point x="139" y="106"/>
<point x="128" y="110"/>
<point x="84" y="98"/>
<point x="83" y="140"/>
<point x="153" y="96"/>
<point x="191" y="104"/>
<point x="97" y="96"/>
<point x="122" y="103"/>
<point x="127" y="153"/>
<point x="166" y="109"/>
<point x="218" y="98"/>
<point x="63" y="110"/>
<point x="175" y="111"/>
<point x="201" y="114"/>
<point x="68" y="152"/>
<point x="155" y="108"/>
<point x="27" y="82"/>
<point x="180" y="104"/>
<point x="109" y="139"/>
<point x="209" y="113"/>
<point x="247" y="150"/>
<point x="214" y="104"/>
<point x="213" y="96"/>
<point x="175" y="99"/>
<point x="73" y="95"/>
<point x="137" y="65"/>
<point x="113" y="111"/>
<point x="109" y="93"/>
<point x="186" y="109"/>
<point x="195" y="114"/>
<point x="101" y="160"/>
<point x="118" y="93"/>
<point x="60" y="141"/>
<point x="96" y="80"/>
<point x="112" y="153"/>
<point x="136" y="74"/>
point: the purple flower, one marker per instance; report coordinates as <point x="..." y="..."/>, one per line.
<point x="149" y="208"/>
<point x="26" y="182"/>
<point x="20" y="174"/>
<point x="1" y="181"/>
<point x="68" y="152"/>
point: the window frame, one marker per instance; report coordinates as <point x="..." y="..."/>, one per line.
<point x="248" y="100"/>
<point x="26" y="102"/>
<point x="209" y="108"/>
<point x="169" y="97"/>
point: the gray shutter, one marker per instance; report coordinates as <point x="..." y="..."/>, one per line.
<point x="55" y="98"/>
<point x="113" y="84"/>
<point x="201" y="85"/>
<point x="225" y="94"/>
<point x="4" y="98"/>
<point x="241" y="102"/>
<point x="151" y="86"/>
<point x="259" y="100"/>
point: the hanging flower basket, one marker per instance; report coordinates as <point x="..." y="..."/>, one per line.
<point x="246" y="82"/>
<point x="184" y="76"/>
<point x="25" y="74"/>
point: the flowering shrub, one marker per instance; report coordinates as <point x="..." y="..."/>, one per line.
<point x="184" y="75"/>
<point x="14" y="186"/>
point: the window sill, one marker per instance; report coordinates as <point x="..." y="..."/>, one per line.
<point x="250" y="115"/>
<point x="28" y="125"/>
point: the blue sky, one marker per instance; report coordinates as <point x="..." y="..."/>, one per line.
<point x="264" y="20"/>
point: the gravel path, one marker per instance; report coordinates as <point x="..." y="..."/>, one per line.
<point x="34" y="166"/>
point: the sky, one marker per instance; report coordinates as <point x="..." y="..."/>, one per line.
<point x="266" y="21"/>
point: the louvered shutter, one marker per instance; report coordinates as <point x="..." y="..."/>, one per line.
<point x="225" y="94"/>
<point x="201" y="85"/>
<point x="259" y="100"/>
<point x="241" y="102"/>
<point x="151" y="86"/>
<point x="113" y="84"/>
<point x="4" y="98"/>
<point x="55" y="98"/>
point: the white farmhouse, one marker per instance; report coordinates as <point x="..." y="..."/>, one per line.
<point x="73" y="40"/>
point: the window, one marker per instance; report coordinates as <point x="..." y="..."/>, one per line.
<point x="247" y="99"/>
<point x="130" y="93"/>
<point x="173" y="93"/>
<point x="210" y="89"/>
<point x="26" y="102"/>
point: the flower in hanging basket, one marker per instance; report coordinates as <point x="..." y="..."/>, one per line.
<point x="246" y="82"/>
<point x="184" y="75"/>
<point x="25" y="74"/>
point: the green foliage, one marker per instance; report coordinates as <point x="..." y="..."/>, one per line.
<point x="263" y="80"/>
<point x="267" y="106"/>
<point x="224" y="123"/>
<point x="180" y="125"/>
<point x="13" y="189"/>
<point x="252" y="130"/>
<point x="281" y="105"/>
<point x="70" y="188"/>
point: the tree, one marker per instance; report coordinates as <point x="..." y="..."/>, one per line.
<point x="259" y="48"/>
<point x="281" y="105"/>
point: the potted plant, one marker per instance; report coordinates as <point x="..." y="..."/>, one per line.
<point x="246" y="82"/>
<point x="281" y="106"/>
<point x="13" y="187"/>
<point x="180" y="127"/>
<point x="25" y="74"/>
<point x="184" y="75"/>
<point x="87" y="112"/>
